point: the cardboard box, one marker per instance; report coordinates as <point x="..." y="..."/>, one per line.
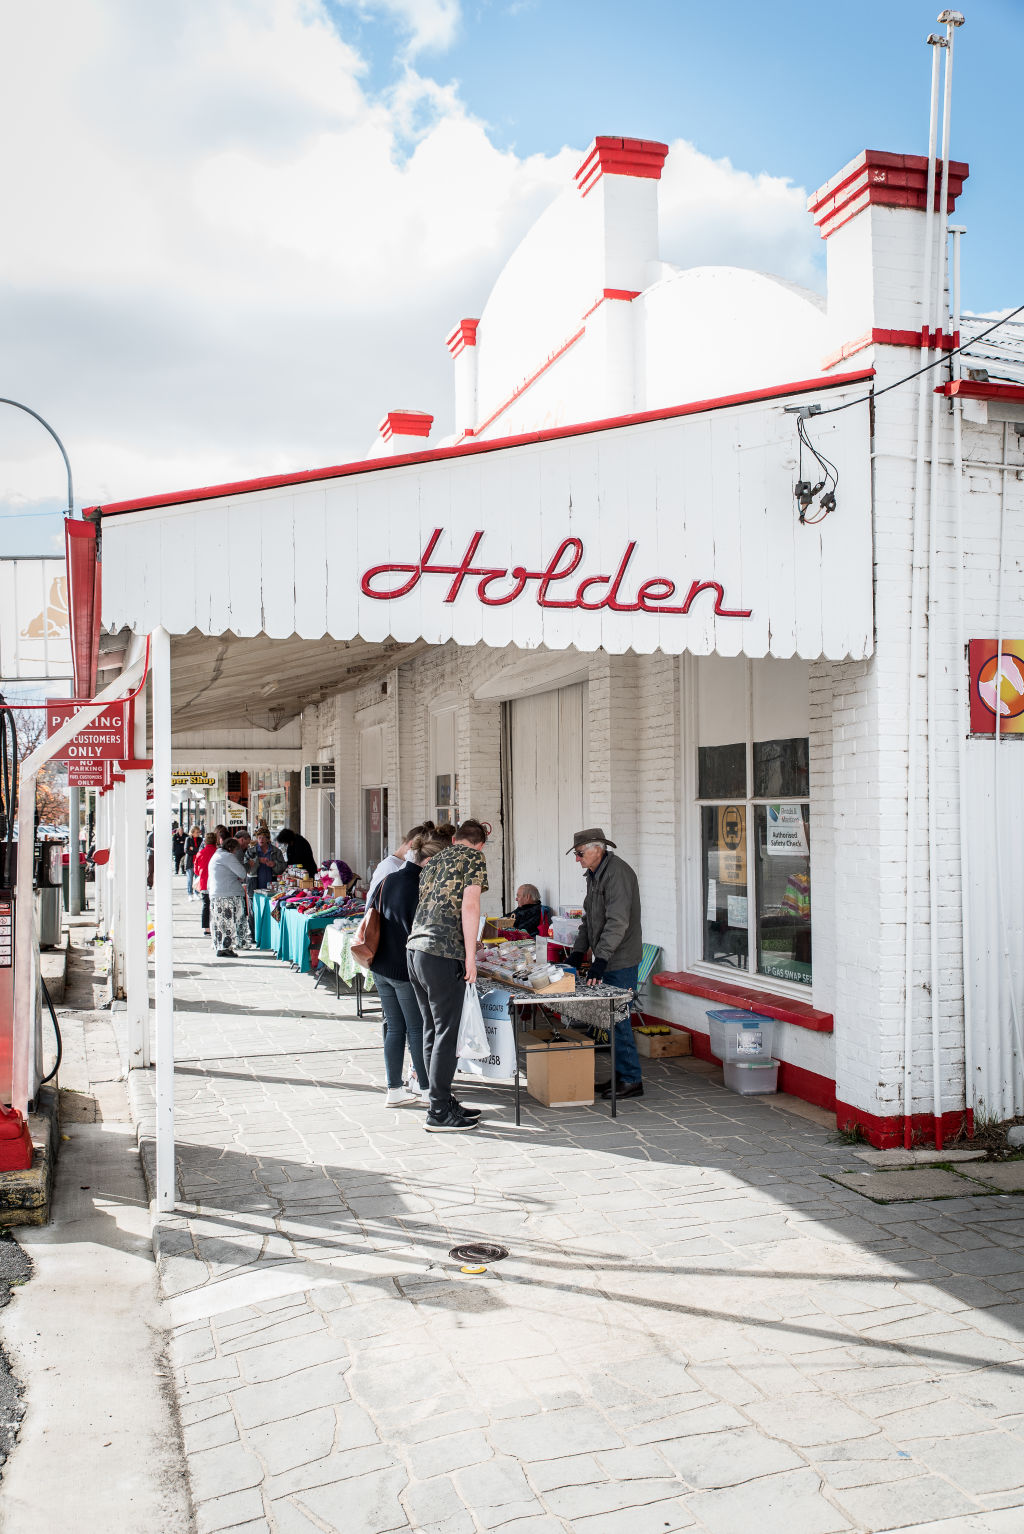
<point x="559" y="1071"/>
<point x="660" y="1046"/>
<point x="562" y="987"/>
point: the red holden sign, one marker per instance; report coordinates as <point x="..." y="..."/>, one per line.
<point x="106" y="739"/>
<point x="653" y="595"/>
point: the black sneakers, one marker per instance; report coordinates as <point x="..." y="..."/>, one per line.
<point x="457" y="1107"/>
<point x="454" y="1120"/>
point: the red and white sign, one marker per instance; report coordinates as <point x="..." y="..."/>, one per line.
<point x="88" y="774"/>
<point x="106" y="739"/>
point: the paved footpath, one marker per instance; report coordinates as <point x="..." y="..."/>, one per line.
<point x="694" y="1329"/>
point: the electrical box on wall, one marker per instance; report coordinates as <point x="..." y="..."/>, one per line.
<point x="319" y="774"/>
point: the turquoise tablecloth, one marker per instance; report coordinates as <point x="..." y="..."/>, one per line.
<point x="295" y="928"/>
<point x="263" y="921"/>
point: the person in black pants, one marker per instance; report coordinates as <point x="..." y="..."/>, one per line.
<point x="297" y="850"/>
<point x="396" y="899"/>
<point x="442" y="959"/>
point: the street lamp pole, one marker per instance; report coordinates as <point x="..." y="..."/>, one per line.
<point x="74" y="794"/>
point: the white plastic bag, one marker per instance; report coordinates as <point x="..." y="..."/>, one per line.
<point x="472" y="1043"/>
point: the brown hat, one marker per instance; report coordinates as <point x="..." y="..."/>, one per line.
<point x="591" y="834"/>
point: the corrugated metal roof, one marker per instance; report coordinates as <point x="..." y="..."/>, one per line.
<point x="1001" y="354"/>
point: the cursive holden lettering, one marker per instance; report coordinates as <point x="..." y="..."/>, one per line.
<point x="653" y="595"/>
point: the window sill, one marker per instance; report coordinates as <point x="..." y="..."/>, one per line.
<point x="748" y="998"/>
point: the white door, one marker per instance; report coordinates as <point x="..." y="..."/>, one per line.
<point x="548" y="760"/>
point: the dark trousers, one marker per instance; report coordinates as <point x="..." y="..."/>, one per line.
<point x="204" y="910"/>
<point x="440" y="989"/>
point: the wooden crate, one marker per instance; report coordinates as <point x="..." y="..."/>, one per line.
<point x="660" y="1046"/>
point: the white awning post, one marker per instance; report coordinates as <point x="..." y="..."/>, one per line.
<point x="136" y="914"/>
<point x="118" y="858"/>
<point x="162" y="890"/>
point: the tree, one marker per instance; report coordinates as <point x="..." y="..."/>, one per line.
<point x="51" y="780"/>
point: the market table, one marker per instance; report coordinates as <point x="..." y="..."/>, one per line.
<point x="596" y="1006"/>
<point x="263" y="922"/>
<point x="295" y="927"/>
<point x="336" y="954"/>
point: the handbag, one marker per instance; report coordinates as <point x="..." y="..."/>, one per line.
<point x="367" y="935"/>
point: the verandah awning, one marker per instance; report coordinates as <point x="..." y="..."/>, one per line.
<point x="677" y="532"/>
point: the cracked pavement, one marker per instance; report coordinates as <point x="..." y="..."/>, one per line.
<point x="695" y="1328"/>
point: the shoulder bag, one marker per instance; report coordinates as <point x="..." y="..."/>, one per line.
<point x="367" y="936"/>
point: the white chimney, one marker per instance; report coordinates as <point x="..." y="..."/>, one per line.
<point x="462" y="345"/>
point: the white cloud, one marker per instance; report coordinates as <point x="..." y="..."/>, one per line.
<point x="430" y="24"/>
<point x="224" y="256"/>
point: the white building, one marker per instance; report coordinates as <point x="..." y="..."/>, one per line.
<point x="598" y="604"/>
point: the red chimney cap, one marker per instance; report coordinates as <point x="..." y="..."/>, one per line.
<point x="462" y="336"/>
<point x="889" y="180"/>
<point x="405" y="423"/>
<point x="620" y="157"/>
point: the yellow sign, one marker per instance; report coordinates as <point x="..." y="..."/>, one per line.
<point x="732" y="844"/>
<point x="192" y="780"/>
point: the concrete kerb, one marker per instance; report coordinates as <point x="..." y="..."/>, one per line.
<point x="25" y="1196"/>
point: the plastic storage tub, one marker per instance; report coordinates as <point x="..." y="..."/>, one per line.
<point x="739" y="1035"/>
<point x="749" y="1078"/>
<point x="564" y="929"/>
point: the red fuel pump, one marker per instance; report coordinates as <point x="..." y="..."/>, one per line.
<point x="15" y="1142"/>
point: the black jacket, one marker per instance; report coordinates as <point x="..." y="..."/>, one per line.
<point x="527" y="918"/>
<point x="396" y="898"/>
<point x="299" y="851"/>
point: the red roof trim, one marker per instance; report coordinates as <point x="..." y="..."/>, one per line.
<point x="467" y="449"/>
<point x="462" y="336"/>
<point x="968" y="388"/>
<point x="405" y="423"/>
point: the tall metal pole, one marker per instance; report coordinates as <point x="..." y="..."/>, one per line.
<point x="162" y="890"/>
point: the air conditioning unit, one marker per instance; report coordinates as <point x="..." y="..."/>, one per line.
<point x="319" y="774"/>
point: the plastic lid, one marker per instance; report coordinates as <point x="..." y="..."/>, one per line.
<point x="739" y="1015"/>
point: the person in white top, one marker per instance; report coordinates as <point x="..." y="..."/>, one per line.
<point x="397" y="859"/>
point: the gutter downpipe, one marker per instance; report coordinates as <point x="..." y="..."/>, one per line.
<point x="957" y="231"/>
<point x="914" y="664"/>
<point x="934" y="862"/>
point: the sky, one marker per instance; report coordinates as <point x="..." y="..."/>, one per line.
<point x="236" y="232"/>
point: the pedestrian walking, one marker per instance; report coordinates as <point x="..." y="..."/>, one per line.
<point x="395" y="899"/>
<point x="442" y="958"/>
<point x="193" y="842"/>
<point x="177" y="848"/>
<point x="201" y="872"/>
<point x="610" y="931"/>
<point x="226" y="883"/>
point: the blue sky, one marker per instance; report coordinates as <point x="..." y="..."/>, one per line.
<point x="238" y="230"/>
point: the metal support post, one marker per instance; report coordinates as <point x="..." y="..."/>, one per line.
<point x="136" y="912"/>
<point x="162" y="890"/>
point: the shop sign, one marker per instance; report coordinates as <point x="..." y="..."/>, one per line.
<point x="786" y="836"/>
<point x="997" y="686"/>
<point x="374" y="800"/>
<point x="106" y="739"/>
<point x="555" y="582"/>
<point x="500" y="1064"/>
<point x="730" y="858"/>
<point x="672" y="535"/>
<point x="197" y="779"/>
<point x="237" y="814"/>
<point x="35" y="629"/>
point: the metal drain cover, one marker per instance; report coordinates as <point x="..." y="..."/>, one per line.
<point x="478" y="1251"/>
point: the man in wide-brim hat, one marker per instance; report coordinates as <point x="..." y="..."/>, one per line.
<point x="610" y="929"/>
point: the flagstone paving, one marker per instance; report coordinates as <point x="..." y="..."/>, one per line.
<point x="695" y="1328"/>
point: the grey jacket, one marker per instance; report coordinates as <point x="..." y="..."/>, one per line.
<point x="225" y="876"/>
<point x="611" y="916"/>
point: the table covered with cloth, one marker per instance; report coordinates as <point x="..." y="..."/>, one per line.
<point x="336" y="955"/>
<point x="295" y="927"/>
<point x="264" y="925"/>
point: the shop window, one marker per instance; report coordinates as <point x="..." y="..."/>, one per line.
<point x="753" y="783"/>
<point x="444" y="776"/>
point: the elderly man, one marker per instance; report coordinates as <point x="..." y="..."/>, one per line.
<point x="610" y="929"/>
